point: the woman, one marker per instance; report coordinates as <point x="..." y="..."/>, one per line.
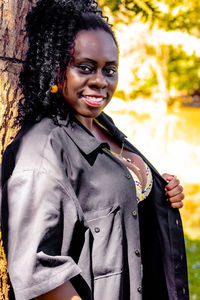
<point x="78" y="198"/>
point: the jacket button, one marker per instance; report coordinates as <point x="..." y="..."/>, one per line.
<point x="139" y="289"/>
<point x="134" y="213"/>
<point x="181" y="257"/>
<point x="97" y="229"/>
<point x="137" y="252"/>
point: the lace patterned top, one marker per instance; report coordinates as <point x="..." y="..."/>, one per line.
<point x="140" y="193"/>
<point x="143" y="193"/>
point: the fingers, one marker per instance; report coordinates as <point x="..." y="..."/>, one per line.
<point x="173" y="190"/>
<point x="176" y="197"/>
<point x="177" y="204"/>
<point x="172" y="183"/>
<point x="167" y="176"/>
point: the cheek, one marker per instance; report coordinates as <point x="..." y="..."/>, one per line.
<point x="69" y="85"/>
<point x="65" y="89"/>
<point x="63" y="85"/>
<point x="74" y="81"/>
<point x="116" y="80"/>
<point x="113" y="84"/>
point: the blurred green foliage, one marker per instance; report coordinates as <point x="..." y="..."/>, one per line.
<point x="182" y="15"/>
<point x="143" y="87"/>
<point x="121" y="94"/>
<point x="193" y="250"/>
<point x="125" y="10"/>
<point x="179" y="70"/>
<point x="182" y="73"/>
<point x="183" y="70"/>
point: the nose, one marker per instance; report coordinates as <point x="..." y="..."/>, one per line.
<point x="98" y="80"/>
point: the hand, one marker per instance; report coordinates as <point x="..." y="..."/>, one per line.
<point x="174" y="191"/>
<point x="65" y="291"/>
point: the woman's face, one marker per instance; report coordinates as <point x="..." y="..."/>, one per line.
<point x="91" y="77"/>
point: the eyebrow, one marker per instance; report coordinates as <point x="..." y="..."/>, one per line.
<point x="94" y="62"/>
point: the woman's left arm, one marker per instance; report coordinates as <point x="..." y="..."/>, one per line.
<point x="174" y="191"/>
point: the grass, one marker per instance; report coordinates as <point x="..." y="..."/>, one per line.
<point x="193" y="257"/>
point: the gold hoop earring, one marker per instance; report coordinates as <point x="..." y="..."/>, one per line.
<point x="54" y="89"/>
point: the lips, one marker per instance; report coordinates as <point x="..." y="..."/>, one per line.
<point x="93" y="100"/>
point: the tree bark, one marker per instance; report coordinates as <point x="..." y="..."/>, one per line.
<point x="13" y="47"/>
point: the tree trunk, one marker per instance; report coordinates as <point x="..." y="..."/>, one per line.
<point x="13" y="47"/>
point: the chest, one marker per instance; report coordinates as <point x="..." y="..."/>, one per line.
<point x="99" y="180"/>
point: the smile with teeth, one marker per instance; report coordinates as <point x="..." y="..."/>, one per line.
<point x="93" y="100"/>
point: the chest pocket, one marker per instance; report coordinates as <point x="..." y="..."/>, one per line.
<point x="106" y="229"/>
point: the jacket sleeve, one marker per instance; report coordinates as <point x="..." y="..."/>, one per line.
<point x="41" y="225"/>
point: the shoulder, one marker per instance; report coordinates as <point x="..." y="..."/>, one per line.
<point x="34" y="147"/>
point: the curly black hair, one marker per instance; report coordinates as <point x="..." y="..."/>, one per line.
<point x="51" y="28"/>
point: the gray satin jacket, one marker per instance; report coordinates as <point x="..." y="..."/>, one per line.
<point x="69" y="212"/>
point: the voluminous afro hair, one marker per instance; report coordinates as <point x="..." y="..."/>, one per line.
<point x="51" y="28"/>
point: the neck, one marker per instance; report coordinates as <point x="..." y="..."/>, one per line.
<point x="87" y="122"/>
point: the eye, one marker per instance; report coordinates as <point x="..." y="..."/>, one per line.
<point x="110" y="71"/>
<point x="85" y="69"/>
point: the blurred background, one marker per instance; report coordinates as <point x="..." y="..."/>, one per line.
<point x="157" y="103"/>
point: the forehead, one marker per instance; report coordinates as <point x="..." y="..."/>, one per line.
<point x="95" y="44"/>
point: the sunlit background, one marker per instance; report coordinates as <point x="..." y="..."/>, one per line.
<point x="157" y="104"/>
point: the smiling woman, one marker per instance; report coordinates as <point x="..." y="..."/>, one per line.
<point x="84" y="214"/>
<point x="91" y="77"/>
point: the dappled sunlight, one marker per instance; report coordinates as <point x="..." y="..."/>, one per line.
<point x="145" y="50"/>
<point x="191" y="211"/>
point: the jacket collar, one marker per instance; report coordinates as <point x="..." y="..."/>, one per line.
<point x="80" y="135"/>
<point x="88" y="143"/>
<point x="120" y="137"/>
<point x="108" y="123"/>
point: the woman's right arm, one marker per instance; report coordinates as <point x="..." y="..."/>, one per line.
<point x="41" y="212"/>
<point x="65" y="291"/>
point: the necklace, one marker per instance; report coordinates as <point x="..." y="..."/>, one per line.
<point x="141" y="187"/>
<point x="120" y="156"/>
